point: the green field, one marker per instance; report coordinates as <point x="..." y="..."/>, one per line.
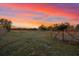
<point x="34" y="43"/>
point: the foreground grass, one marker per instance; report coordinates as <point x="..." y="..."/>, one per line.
<point x="38" y="43"/>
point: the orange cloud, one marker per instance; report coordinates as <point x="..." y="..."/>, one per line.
<point x="51" y="11"/>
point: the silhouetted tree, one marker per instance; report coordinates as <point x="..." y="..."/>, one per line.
<point x="6" y="24"/>
<point x="61" y="27"/>
<point x="2" y="21"/>
<point x="50" y="27"/>
<point x="42" y="27"/>
<point x="71" y="27"/>
<point x="8" y="27"/>
<point x="55" y="27"/>
<point x="77" y="27"/>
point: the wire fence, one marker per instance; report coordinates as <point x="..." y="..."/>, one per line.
<point x="66" y="36"/>
<point x="2" y="32"/>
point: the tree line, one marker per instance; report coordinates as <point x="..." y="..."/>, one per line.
<point x="6" y="24"/>
<point x="60" y="27"/>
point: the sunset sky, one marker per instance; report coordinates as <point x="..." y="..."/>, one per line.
<point x="30" y="15"/>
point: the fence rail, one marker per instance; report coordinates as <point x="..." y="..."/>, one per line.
<point x="66" y="36"/>
<point x="2" y="32"/>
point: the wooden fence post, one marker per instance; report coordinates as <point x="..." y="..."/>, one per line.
<point x="63" y="35"/>
<point x="51" y="34"/>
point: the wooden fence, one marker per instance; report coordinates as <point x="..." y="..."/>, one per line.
<point x="2" y="32"/>
<point x="66" y="36"/>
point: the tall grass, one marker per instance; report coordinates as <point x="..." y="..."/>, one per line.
<point x="35" y="43"/>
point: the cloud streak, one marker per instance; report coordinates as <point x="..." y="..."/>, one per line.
<point x="32" y="15"/>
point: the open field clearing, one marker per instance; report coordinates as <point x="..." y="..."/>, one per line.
<point x="36" y="43"/>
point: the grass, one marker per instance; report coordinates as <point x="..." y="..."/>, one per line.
<point x="34" y="43"/>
